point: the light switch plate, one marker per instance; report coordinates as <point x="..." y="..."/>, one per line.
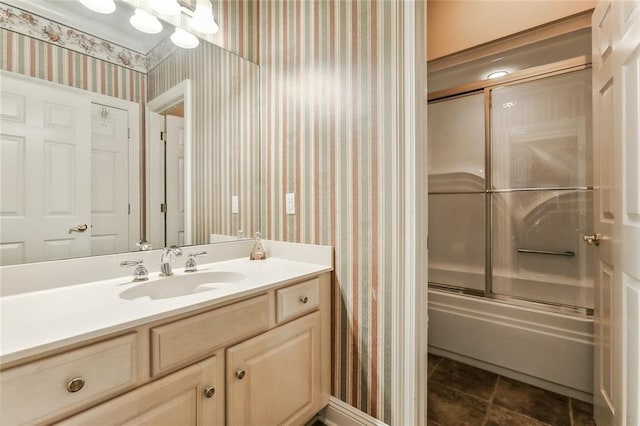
<point x="290" y="203"/>
<point x="235" y="204"/>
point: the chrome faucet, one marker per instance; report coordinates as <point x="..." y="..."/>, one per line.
<point x="191" y="265"/>
<point x="140" y="273"/>
<point x="166" y="258"/>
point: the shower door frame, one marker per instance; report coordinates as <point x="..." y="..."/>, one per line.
<point x="485" y="87"/>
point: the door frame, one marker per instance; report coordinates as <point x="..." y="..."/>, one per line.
<point x="410" y="292"/>
<point x="133" y="114"/>
<point x="181" y="92"/>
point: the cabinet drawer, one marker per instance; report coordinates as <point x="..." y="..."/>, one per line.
<point x="297" y="299"/>
<point x="43" y="389"/>
<point x="194" y="395"/>
<point x="185" y="341"/>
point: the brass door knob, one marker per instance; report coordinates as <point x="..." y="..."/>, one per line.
<point x="209" y="391"/>
<point x="592" y="240"/>
<point x="79" y="228"/>
<point x="240" y="374"/>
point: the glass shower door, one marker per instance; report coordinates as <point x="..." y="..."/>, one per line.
<point x="541" y="194"/>
<point x="457" y="193"/>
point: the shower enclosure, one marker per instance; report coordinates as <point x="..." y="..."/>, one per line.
<point x="510" y="192"/>
<point x="510" y="199"/>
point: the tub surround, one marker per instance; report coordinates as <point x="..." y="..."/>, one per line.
<point x="545" y="349"/>
<point x="49" y="305"/>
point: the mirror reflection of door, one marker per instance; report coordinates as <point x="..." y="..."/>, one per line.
<point x="45" y="160"/>
<point x="109" y="180"/>
<point x="166" y="169"/>
<point x="68" y="176"/>
<point x="174" y="176"/>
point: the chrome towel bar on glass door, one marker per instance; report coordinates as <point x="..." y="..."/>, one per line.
<point x="553" y="253"/>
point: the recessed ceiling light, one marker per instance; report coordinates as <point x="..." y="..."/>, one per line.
<point x="184" y="39"/>
<point x="145" y="22"/>
<point x="100" y="6"/>
<point x="497" y="74"/>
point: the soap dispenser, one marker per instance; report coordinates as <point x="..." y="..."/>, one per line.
<point x="258" y="253"/>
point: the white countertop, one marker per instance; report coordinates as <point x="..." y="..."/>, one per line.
<point x="38" y="321"/>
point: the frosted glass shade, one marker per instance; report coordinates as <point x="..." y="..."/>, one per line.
<point x="100" y="6"/>
<point x="184" y="39"/>
<point x="145" y="22"/>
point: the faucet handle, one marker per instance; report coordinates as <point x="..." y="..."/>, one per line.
<point x="191" y="265"/>
<point x="140" y="273"/>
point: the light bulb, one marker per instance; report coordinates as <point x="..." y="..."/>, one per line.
<point x="100" y="6"/>
<point x="184" y="39"/>
<point x="202" y="19"/>
<point x="145" y="22"/>
<point x="165" y="7"/>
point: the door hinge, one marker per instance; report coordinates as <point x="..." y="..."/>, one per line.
<point x="129" y="208"/>
<point x="128" y="133"/>
<point x="163" y="136"/>
<point x="163" y="208"/>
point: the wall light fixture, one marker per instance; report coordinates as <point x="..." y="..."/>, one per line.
<point x="100" y="6"/>
<point x="165" y="7"/>
<point x="184" y="39"/>
<point x="202" y="19"/>
<point x="145" y="22"/>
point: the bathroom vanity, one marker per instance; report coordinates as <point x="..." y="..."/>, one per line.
<point x="238" y="342"/>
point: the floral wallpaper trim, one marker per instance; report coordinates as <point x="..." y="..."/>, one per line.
<point x="159" y="53"/>
<point x="26" y="23"/>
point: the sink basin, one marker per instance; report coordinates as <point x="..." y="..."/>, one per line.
<point x="182" y="285"/>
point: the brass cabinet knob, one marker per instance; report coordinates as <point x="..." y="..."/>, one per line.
<point x="75" y="384"/>
<point x="209" y="391"/>
<point x="304" y="299"/>
<point x="240" y="374"/>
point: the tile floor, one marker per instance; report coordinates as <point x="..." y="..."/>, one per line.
<point x="459" y="394"/>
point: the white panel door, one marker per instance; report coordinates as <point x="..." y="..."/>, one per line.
<point x="175" y="178"/>
<point x="45" y="158"/>
<point x="109" y="180"/>
<point x="155" y="180"/>
<point x="616" y="97"/>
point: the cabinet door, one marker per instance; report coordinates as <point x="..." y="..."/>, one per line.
<point x="274" y="378"/>
<point x="182" y="398"/>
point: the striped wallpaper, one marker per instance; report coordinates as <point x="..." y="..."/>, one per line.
<point x="226" y="135"/>
<point x="28" y="56"/>
<point x="238" y="22"/>
<point x="331" y="114"/>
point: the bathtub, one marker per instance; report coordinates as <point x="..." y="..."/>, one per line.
<point x="550" y="350"/>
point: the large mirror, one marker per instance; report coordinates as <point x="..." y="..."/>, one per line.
<point x="111" y="136"/>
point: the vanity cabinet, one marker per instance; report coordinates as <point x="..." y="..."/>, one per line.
<point x="192" y="396"/>
<point x="274" y="378"/>
<point x="262" y="358"/>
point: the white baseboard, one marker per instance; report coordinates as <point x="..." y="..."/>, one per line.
<point x="339" y="413"/>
